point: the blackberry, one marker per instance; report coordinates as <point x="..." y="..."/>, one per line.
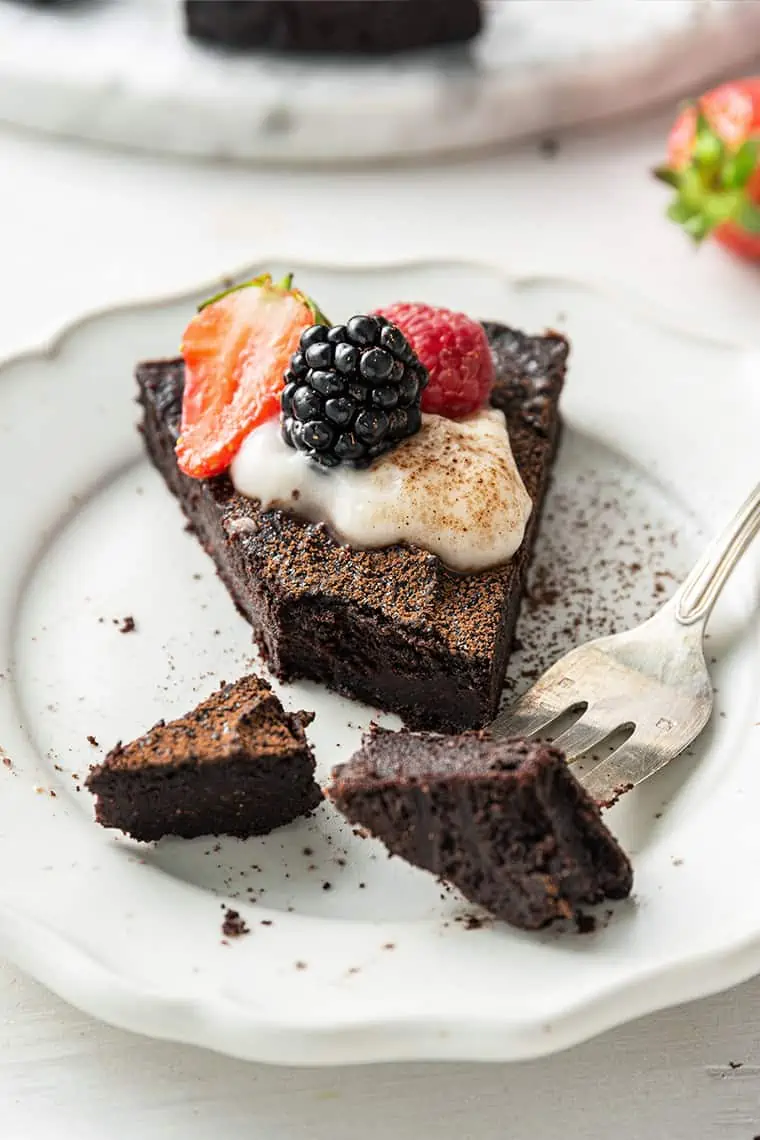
<point x="352" y="392"/>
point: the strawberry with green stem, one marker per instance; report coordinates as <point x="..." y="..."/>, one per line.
<point x="236" y="350"/>
<point x="714" y="167"/>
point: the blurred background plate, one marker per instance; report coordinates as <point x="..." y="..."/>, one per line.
<point x="123" y="72"/>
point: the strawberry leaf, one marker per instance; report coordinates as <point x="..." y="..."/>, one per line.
<point x="741" y="166"/>
<point x="667" y="175"/>
<point x="748" y="217"/>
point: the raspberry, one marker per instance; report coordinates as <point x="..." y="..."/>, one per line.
<point x="455" y="351"/>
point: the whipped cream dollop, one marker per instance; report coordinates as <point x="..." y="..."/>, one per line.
<point x="452" y="489"/>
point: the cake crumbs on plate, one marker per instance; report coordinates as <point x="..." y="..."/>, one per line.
<point x="585" y="923"/>
<point x="473" y="921"/>
<point x="127" y="624"/>
<point x="233" y="925"/>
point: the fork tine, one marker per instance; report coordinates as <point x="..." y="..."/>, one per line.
<point x="513" y="722"/>
<point x="522" y="719"/>
<point x="584" y="735"/>
<point x="549" y="698"/>
<point x="628" y="765"/>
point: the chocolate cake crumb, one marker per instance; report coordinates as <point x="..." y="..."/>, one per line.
<point x="267" y="922"/>
<point x="735" y="1064"/>
<point x="472" y="922"/>
<point x="128" y="625"/>
<point x="585" y="923"/>
<point x="7" y="762"/>
<point x="233" y="925"/>
<point x="327" y="886"/>
<point x="301" y="965"/>
<point x="307" y="851"/>
<point x="617" y="792"/>
<point x="91" y="740"/>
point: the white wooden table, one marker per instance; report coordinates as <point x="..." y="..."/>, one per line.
<point x="82" y="228"/>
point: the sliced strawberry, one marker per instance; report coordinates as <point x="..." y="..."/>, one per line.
<point x="236" y="350"/>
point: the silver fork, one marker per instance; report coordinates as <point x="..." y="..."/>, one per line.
<point x="652" y="680"/>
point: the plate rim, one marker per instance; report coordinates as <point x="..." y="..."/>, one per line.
<point x="208" y="1019"/>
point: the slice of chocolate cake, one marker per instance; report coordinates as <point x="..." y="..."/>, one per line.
<point x="393" y="627"/>
<point x="505" y="821"/>
<point x="357" y="27"/>
<point x="237" y="765"/>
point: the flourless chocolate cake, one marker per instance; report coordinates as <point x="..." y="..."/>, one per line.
<point x="393" y="627"/>
<point x="360" y="27"/>
<point x="237" y="765"/>
<point x="503" y="820"/>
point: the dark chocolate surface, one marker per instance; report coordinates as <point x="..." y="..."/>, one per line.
<point x="503" y="820"/>
<point x="238" y="764"/>
<point x="393" y="627"/>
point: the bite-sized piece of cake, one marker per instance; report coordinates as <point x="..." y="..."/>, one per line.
<point x="394" y="626"/>
<point x="237" y="765"/>
<point x="361" y="27"/>
<point x="505" y="821"/>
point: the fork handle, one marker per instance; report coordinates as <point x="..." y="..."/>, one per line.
<point x="699" y="593"/>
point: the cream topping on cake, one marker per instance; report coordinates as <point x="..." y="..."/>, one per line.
<point x="452" y="489"/>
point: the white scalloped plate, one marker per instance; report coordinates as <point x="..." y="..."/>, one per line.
<point x="382" y="964"/>
<point x="123" y="72"/>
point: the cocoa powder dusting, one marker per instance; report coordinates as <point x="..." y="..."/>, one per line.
<point x="610" y="550"/>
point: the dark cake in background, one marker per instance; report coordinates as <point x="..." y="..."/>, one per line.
<point x="505" y="821"/>
<point x="360" y="27"/>
<point x="237" y="765"/>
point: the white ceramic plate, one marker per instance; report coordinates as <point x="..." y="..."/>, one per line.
<point x="123" y="72"/>
<point x="660" y="446"/>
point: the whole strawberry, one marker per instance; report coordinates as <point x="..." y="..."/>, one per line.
<point x="454" y="349"/>
<point x="714" y="167"/>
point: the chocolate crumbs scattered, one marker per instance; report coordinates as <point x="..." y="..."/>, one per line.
<point x="128" y="625"/>
<point x="233" y="925"/>
<point x="609" y="552"/>
<point x="585" y="923"/>
<point x="91" y="740"/>
<point x="472" y="921"/>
